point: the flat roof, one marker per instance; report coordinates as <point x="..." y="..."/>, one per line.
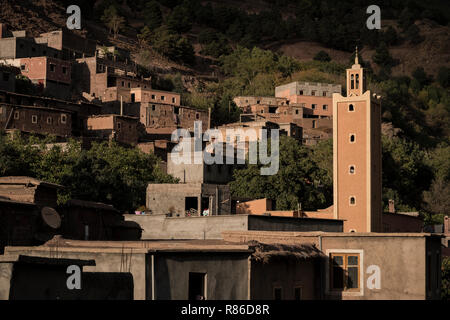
<point x="294" y="234"/>
<point x="27" y="181"/>
<point x="142" y="246"/>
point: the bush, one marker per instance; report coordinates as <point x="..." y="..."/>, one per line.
<point x="322" y="56"/>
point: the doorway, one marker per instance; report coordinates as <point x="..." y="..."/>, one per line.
<point x="197" y="286"/>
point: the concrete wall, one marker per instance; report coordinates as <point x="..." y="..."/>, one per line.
<point x="406" y="267"/>
<point x="264" y="223"/>
<point x="171" y="198"/>
<point x="49" y="283"/>
<point x="161" y="227"/>
<point x="107" y="261"/>
<point x="287" y="275"/>
<point x="402" y="267"/>
<point x="226" y="275"/>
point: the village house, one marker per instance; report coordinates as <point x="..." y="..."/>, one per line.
<point x="161" y="119"/>
<point x="51" y="75"/>
<point x="71" y="45"/>
<point x="203" y="271"/>
<point x="113" y="127"/>
<point x="106" y="79"/>
<point x="44" y="115"/>
<point x="316" y="98"/>
<point x="36" y="120"/>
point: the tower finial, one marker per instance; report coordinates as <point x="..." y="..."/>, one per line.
<point x="356" y="56"/>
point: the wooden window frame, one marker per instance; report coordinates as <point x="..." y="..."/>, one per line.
<point x="345" y="266"/>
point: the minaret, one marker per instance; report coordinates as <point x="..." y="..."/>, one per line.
<point x="357" y="156"/>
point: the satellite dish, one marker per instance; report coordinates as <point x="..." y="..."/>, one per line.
<point x="51" y="217"/>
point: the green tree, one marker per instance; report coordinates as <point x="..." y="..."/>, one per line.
<point x="444" y="77"/>
<point x="113" y="20"/>
<point x="296" y="181"/>
<point x="180" y="19"/>
<point x="172" y="45"/>
<point x="152" y="15"/>
<point x="322" y="56"/>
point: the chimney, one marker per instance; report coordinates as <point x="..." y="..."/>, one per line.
<point x="209" y="118"/>
<point x="391" y="206"/>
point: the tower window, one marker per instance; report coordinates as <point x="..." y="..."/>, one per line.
<point x="352" y="82"/>
<point x="352" y="138"/>
<point x="351" y="108"/>
<point x="351" y="169"/>
<point x="357" y="81"/>
<point x="352" y="201"/>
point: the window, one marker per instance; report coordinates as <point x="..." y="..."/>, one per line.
<point x="297" y="293"/>
<point x="324" y="93"/>
<point x="314" y="125"/>
<point x="23" y="67"/>
<point x="129" y="84"/>
<point x="34" y="119"/>
<point x="64" y="70"/>
<point x="344" y="271"/>
<point x="351" y="108"/>
<point x="49" y="120"/>
<point x="301" y="92"/>
<point x="52" y="67"/>
<point x="63" y="118"/>
<point x="123" y="83"/>
<point x="352" y="138"/>
<point x="197" y="116"/>
<point x="313" y="92"/>
<point x="197" y="285"/>
<point x="357" y="81"/>
<point x="277" y="293"/>
<point x="153" y="107"/>
<point x="153" y="96"/>
<point x="119" y="125"/>
<point x="352" y="82"/>
<point x="258" y="102"/>
<point x="174" y="100"/>
<point x="296" y="111"/>
<point x="352" y="201"/>
<point x="351" y="170"/>
<point x="325" y="107"/>
<point x="16" y="115"/>
<point x="163" y="98"/>
<point x="313" y="106"/>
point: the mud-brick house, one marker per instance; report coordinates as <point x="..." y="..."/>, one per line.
<point x="23" y="220"/>
<point x="180" y="270"/>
